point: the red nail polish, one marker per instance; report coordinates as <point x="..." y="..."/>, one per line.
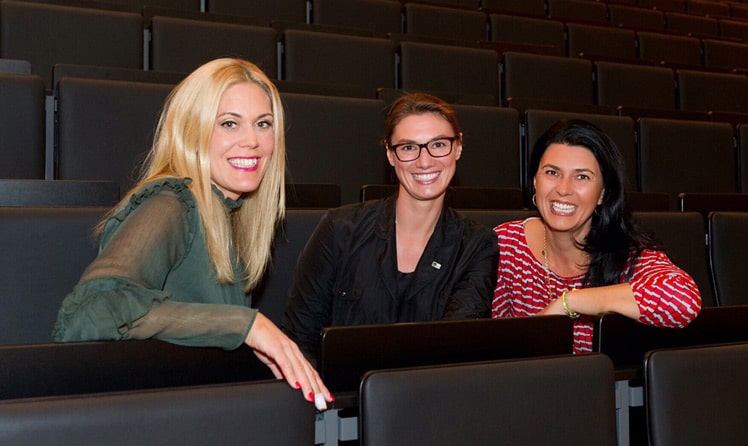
<point x="297" y="385"/>
<point x="332" y="398"/>
<point x="311" y="396"/>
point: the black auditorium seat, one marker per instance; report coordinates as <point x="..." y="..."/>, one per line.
<point x="105" y="128"/>
<point x="668" y="48"/>
<point x="45" y="251"/>
<point x="443" y="68"/>
<point x="628" y="16"/>
<point x="268" y="11"/>
<point x="364" y="62"/>
<point x="534" y="31"/>
<point x="577" y="10"/>
<point x="15" y="66"/>
<point x="728" y="242"/>
<point x="724" y="54"/>
<point x="686" y="156"/>
<point x="22" y="127"/>
<point x="69" y="35"/>
<point x="378" y="16"/>
<point x="519" y="7"/>
<point x="58" y="193"/>
<point x="444" y="22"/>
<point x="683" y="235"/>
<point x="267" y="412"/>
<point x="712" y="202"/>
<point x="632" y="86"/>
<point x="690" y="24"/>
<point x="181" y="45"/>
<point x="697" y="395"/>
<point x="600" y="42"/>
<point x="705" y="91"/>
<point x="481" y="403"/>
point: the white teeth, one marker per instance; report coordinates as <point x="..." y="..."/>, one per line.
<point x="562" y="207"/>
<point x="425" y="177"/>
<point x="243" y="163"/>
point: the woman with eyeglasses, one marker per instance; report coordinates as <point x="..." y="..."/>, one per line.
<point x="404" y="258"/>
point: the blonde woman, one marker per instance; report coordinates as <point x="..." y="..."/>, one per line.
<point x="181" y="252"/>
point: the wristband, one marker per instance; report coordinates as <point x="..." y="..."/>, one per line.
<point x="571" y="314"/>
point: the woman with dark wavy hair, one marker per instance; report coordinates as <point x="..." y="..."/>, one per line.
<point x="584" y="257"/>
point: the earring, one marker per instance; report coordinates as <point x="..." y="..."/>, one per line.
<point x="533" y="201"/>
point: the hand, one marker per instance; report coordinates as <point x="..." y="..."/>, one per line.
<point x="555" y="307"/>
<point x="284" y="358"/>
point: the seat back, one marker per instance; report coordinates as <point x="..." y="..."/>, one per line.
<point x="690" y="24"/>
<point x="125" y="116"/>
<point x="65" y="34"/>
<point x="683" y="235"/>
<point x="268" y="412"/>
<point x="697" y="395"/>
<point x="725" y="54"/>
<point x="705" y="91"/>
<point x="638" y="86"/>
<point x="444" y="22"/>
<point x="626" y="16"/>
<point x="480" y="403"/>
<point x="265" y="11"/>
<point x="57" y="193"/>
<point x="728" y="242"/>
<point x="22" y="129"/>
<point x="673" y="49"/>
<point x="577" y="10"/>
<point x="209" y="40"/>
<point x="528" y="30"/>
<point x="381" y="17"/>
<point x="45" y="251"/>
<point x="590" y="41"/>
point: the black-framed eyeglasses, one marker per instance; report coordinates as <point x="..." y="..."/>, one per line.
<point x="410" y="151"/>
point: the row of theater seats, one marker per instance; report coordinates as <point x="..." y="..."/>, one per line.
<point x="98" y="136"/>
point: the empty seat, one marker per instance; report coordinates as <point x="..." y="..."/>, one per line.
<point x="706" y="202"/>
<point x="706" y="91"/>
<point x="665" y="5"/>
<point x="105" y="128"/>
<point x="637" y="86"/>
<point x="363" y="62"/>
<point x="721" y="54"/>
<point x="349" y="156"/>
<point x="445" y="23"/>
<point x="60" y="71"/>
<point x="22" y="128"/>
<point x="735" y="29"/>
<point x="312" y="195"/>
<point x="69" y="35"/>
<point x="479" y="403"/>
<point x="57" y="193"/>
<point x="576" y="10"/>
<point x="690" y="24"/>
<point x="529" y="31"/>
<point x="441" y="68"/>
<point x="697" y="395"/>
<point x="600" y="41"/>
<point x="666" y="48"/>
<point x="538" y="79"/>
<point x="738" y="11"/>
<point x="528" y="7"/>
<point x="45" y="251"/>
<point x="648" y="201"/>
<point x="683" y="235"/>
<point x="619" y="128"/>
<point x="267" y="412"/>
<point x="634" y="17"/>
<point x="686" y="156"/>
<point x="181" y="45"/>
<point x="271" y="293"/>
<point x="711" y="8"/>
<point x="491" y="147"/>
<point x="728" y="242"/>
<point x="378" y="16"/>
<point x="15" y="66"/>
<point x="267" y="11"/>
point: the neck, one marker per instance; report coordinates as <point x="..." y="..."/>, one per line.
<point x="417" y="216"/>
<point x="562" y="254"/>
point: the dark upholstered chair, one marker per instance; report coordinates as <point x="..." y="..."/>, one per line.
<point x="523" y="402"/>
<point x="528" y="30"/>
<point x="728" y="242"/>
<point x="445" y="22"/>
<point x="378" y="16"/>
<point x="267" y="11"/>
<point x="683" y="235"/>
<point x="268" y="412"/>
<point x="600" y="41"/>
<point x="668" y="48"/>
<point x="45" y="251"/>
<point x="57" y="193"/>
<point x="22" y="128"/>
<point x="637" y="86"/>
<point x="696" y="396"/>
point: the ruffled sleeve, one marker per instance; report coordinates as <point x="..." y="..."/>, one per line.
<point x="124" y="293"/>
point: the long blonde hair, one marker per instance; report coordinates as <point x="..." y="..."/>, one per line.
<point x="181" y="149"/>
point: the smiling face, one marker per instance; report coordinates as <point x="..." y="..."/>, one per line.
<point x="426" y="178"/>
<point x="568" y="187"/>
<point x="242" y="142"/>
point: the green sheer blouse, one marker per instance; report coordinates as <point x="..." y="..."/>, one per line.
<point x="153" y="278"/>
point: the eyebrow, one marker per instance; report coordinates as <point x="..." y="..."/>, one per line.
<point x="579" y="170"/>
<point x="239" y="115"/>
<point x="411" y="141"/>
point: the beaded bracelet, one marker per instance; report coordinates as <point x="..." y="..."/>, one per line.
<point x="571" y="314"/>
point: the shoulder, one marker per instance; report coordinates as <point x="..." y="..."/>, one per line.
<point x="514" y="229"/>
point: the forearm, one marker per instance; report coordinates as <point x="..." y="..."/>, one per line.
<point x="617" y="298"/>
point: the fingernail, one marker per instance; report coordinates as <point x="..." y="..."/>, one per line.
<point x="297" y="385"/>
<point x="310" y="396"/>
<point x="332" y="398"/>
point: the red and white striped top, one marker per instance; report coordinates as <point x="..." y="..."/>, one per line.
<point x="667" y="296"/>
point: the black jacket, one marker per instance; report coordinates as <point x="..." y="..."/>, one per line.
<point x="347" y="273"/>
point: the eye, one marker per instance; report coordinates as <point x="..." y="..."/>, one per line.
<point x="583" y="176"/>
<point x="265" y="124"/>
<point x="229" y="124"/>
<point x="407" y="147"/>
<point x="550" y="172"/>
<point x="439" y="144"/>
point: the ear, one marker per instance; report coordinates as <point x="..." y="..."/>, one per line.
<point x="458" y="148"/>
<point x="391" y="157"/>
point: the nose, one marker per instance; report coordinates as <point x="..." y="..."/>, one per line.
<point x="248" y="138"/>
<point x="563" y="187"/>
<point x="424" y="160"/>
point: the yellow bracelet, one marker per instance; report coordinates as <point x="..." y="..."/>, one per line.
<point x="571" y="314"/>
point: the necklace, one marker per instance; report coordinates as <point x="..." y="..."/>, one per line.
<point x="545" y="264"/>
